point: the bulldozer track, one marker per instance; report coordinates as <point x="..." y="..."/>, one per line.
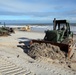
<point x="9" y="68"/>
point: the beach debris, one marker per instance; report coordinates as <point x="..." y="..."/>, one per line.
<point x="17" y="56"/>
<point x="4" y="31"/>
<point x="69" y="66"/>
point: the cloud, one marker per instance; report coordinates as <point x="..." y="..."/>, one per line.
<point x="44" y="9"/>
<point x="23" y="7"/>
<point x="19" y="6"/>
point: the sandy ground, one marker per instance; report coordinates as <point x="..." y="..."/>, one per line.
<point x="14" y="61"/>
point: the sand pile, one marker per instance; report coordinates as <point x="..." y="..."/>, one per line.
<point x="45" y="50"/>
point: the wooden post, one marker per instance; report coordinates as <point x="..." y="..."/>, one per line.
<point x="54" y="23"/>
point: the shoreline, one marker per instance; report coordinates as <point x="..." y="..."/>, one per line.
<point x="39" y="28"/>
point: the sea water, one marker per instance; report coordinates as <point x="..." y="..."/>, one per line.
<point x="40" y="28"/>
<point x="50" y="27"/>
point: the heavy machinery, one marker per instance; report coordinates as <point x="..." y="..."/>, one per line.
<point x="60" y="36"/>
<point x="26" y="28"/>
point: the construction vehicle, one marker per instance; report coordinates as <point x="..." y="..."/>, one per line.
<point x="26" y="28"/>
<point x="60" y="36"/>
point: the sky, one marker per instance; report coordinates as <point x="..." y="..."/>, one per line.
<point x="38" y="10"/>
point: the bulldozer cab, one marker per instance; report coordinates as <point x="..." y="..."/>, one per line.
<point x="61" y="31"/>
<point x="62" y="25"/>
<point x="58" y="24"/>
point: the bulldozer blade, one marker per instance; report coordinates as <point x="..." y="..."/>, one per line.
<point x="64" y="47"/>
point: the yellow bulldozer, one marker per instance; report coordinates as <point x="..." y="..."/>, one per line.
<point x="26" y="28"/>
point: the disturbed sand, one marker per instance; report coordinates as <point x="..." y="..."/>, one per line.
<point x="14" y="61"/>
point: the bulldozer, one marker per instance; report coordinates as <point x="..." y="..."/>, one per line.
<point x="60" y="36"/>
<point x="26" y="28"/>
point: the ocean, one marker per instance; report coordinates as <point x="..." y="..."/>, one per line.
<point x="39" y="27"/>
<point x="50" y="27"/>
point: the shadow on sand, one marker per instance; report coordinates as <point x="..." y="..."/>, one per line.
<point x="24" y="44"/>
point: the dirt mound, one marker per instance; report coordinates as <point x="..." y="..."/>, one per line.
<point x="45" y="50"/>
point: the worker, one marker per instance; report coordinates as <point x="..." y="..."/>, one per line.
<point x="63" y="28"/>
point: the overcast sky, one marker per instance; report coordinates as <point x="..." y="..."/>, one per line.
<point x="43" y="10"/>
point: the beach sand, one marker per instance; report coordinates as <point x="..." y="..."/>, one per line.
<point x="14" y="61"/>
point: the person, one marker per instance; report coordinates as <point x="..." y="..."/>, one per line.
<point x="63" y="28"/>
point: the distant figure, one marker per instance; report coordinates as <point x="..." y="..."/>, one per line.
<point x="11" y="30"/>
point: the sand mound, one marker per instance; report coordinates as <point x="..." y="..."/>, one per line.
<point x="45" y="50"/>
